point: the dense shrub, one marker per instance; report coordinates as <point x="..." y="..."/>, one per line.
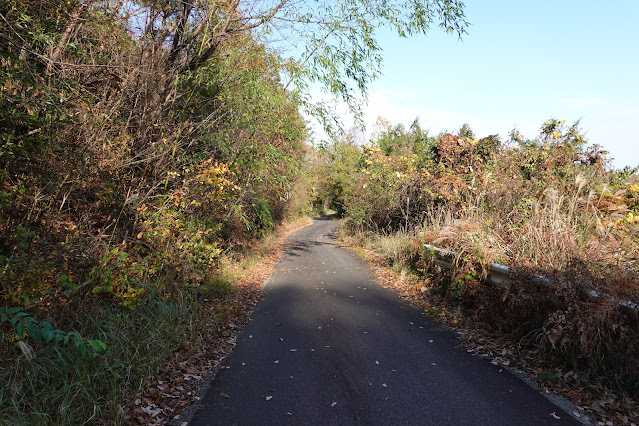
<point x="127" y="170"/>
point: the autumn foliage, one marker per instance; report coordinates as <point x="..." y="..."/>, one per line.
<point x="132" y="158"/>
<point x="548" y="207"/>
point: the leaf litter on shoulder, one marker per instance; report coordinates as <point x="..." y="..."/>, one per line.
<point x="182" y="378"/>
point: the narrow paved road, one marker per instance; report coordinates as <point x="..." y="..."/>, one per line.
<point x="328" y="346"/>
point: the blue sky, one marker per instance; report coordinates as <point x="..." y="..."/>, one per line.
<point x="520" y="64"/>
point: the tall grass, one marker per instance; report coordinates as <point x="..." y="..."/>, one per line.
<point x="61" y="385"/>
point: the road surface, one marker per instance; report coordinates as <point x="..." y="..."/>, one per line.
<point x="329" y="346"/>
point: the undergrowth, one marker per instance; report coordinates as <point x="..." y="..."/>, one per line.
<point x="51" y="383"/>
<point x="134" y="161"/>
<point x="553" y="316"/>
<point x="60" y="385"/>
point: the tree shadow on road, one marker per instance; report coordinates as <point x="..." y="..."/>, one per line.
<point x="331" y="216"/>
<point x="299" y="248"/>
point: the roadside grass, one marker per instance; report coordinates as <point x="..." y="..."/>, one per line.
<point x="60" y="384"/>
<point x="580" y="348"/>
<point x="238" y="265"/>
<point x="569" y="342"/>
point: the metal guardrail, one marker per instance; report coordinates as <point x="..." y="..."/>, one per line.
<point x="500" y="274"/>
<point x="497" y="273"/>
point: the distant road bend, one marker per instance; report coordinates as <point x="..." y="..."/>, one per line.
<point x="329" y="346"/>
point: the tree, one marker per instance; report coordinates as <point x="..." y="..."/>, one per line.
<point x="396" y="140"/>
<point x="322" y="42"/>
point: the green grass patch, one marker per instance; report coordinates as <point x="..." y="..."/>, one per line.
<point x="60" y="385"/>
<point x="547" y="377"/>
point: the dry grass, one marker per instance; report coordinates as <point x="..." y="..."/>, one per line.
<point x="544" y="209"/>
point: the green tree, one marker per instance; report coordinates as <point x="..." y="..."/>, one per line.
<point x="337" y="172"/>
<point x="322" y="42"/>
<point x="397" y="140"/>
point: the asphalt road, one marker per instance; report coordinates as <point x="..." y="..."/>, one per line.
<point x="329" y="346"/>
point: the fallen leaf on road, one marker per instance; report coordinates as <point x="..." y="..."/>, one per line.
<point x="276" y="362"/>
<point x="555" y="416"/>
<point x="384" y="385"/>
<point x="223" y="395"/>
<point x="333" y="404"/>
<point x="268" y="398"/>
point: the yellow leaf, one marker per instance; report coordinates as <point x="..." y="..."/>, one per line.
<point x="634" y="187"/>
<point x="140" y="235"/>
